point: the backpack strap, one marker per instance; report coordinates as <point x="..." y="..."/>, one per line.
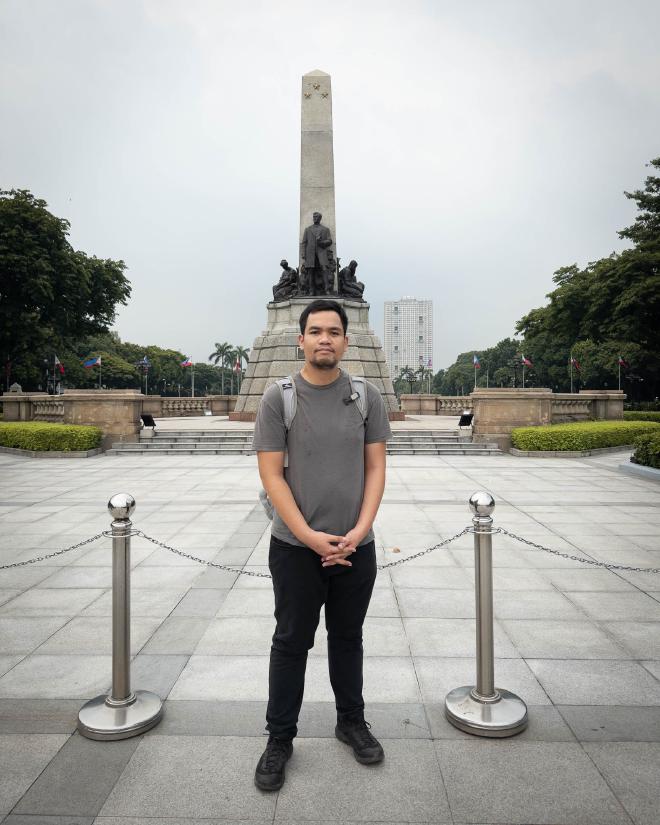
<point x="359" y="386"/>
<point x="287" y="388"/>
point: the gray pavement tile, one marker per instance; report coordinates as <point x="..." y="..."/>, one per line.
<point x="8" y="662"/>
<point x="252" y="582"/>
<point x="38" y="819"/>
<point x="562" y="640"/>
<point x="8" y="595"/>
<point x="248" y="603"/>
<point x="156" y="672"/>
<point x="545" y="725"/>
<point x="157" y="603"/>
<point x="93" y="634"/>
<point x="617" y="606"/>
<point x="418" y="602"/>
<point x="152" y="577"/>
<point x="78" y="780"/>
<point x="632" y="770"/>
<point x="177" y="635"/>
<point x="215" y="579"/>
<point x="594" y="682"/>
<point x="585" y="579"/>
<point x="549" y="783"/>
<point x="154" y="820"/>
<point x="444" y="578"/>
<point x="89" y="577"/>
<point x="39" y="715"/>
<point x="437" y="676"/>
<point x="57" y="677"/>
<point x="407" y="786"/>
<point x="22" y="759"/>
<point x="653" y="667"/>
<point x="64" y="602"/>
<point x="613" y="723"/>
<point x="191" y="776"/>
<point x="640" y="639"/>
<point x="202" y="603"/>
<point x="452" y="637"/>
<point x="23" y="634"/>
<point x="20" y="578"/>
<point x="535" y="604"/>
<point x="383" y="604"/>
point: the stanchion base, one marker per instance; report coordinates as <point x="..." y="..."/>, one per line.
<point x="98" y="720"/>
<point x="506" y="717"/>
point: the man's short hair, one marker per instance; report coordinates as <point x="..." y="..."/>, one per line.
<point x="323" y="306"/>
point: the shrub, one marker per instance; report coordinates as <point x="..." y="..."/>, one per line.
<point x="641" y="416"/>
<point x="37" y="435"/>
<point x="588" y="435"/>
<point x="647" y="450"/>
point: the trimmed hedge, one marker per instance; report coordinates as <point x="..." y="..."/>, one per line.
<point x="588" y="435"/>
<point x="641" y="416"/>
<point x="38" y="435"/>
<point x="647" y="451"/>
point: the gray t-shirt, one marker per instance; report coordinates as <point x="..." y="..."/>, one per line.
<point x="326" y="451"/>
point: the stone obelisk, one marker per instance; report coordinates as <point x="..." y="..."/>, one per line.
<point x="317" y="163"/>
<point x="275" y="353"/>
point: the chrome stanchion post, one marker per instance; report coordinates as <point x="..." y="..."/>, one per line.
<point x="483" y="709"/>
<point x="123" y="713"/>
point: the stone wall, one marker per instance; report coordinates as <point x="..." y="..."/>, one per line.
<point x="435" y="404"/>
<point x="116" y="412"/>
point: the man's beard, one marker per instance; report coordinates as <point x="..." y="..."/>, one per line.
<point x="329" y="363"/>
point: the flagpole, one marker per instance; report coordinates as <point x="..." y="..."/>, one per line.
<point x="475" y="376"/>
<point x="523" y="375"/>
<point x="571" y="359"/>
<point x="100" y="372"/>
<point x="193" y="379"/>
<point x="487" y="372"/>
<point x="619" y="373"/>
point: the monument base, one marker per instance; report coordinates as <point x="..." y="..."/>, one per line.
<point x="275" y="354"/>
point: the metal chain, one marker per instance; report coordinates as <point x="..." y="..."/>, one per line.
<point x="52" y="555"/>
<point x="267" y="575"/>
<point x="424" y="552"/>
<point x="604" y="564"/>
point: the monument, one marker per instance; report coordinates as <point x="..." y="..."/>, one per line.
<point x="275" y="353"/>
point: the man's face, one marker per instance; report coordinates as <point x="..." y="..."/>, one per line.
<point x="316" y="217"/>
<point x="324" y="342"/>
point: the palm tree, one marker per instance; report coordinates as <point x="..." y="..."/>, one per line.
<point x="220" y="355"/>
<point x="230" y="363"/>
<point x="241" y="355"/>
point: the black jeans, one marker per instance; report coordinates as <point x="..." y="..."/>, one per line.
<point x="301" y="586"/>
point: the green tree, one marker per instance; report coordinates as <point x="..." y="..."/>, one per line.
<point x="219" y="356"/>
<point x="51" y="295"/>
<point x="242" y="354"/>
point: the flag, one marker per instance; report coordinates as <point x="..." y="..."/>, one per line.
<point x="623" y="362"/>
<point x="527" y="362"/>
<point x="237" y="366"/>
<point x="576" y="364"/>
<point x="429" y="363"/>
<point x="59" y="365"/>
<point x="92" y="362"/>
<point x="476" y="362"/>
<point x="187" y="362"/>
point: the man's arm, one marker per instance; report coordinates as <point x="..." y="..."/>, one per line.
<point x="271" y="470"/>
<point x="374" y="486"/>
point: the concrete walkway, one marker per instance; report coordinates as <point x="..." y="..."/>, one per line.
<point x="580" y="645"/>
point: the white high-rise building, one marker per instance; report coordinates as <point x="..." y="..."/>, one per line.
<point x="408" y="338"/>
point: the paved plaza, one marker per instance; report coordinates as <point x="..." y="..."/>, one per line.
<point x="580" y="645"/>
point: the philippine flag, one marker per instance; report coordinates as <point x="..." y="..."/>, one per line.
<point x="476" y="362"/>
<point x="92" y="362"/>
<point x="527" y="362"/>
<point x="59" y="365"/>
<point x="186" y="363"/>
<point x="576" y="364"/>
<point x="623" y="362"/>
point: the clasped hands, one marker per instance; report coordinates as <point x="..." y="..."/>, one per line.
<point x="336" y="549"/>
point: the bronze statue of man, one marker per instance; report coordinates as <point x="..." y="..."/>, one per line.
<point x="349" y="286"/>
<point x="316" y="258"/>
<point x="287" y="286"/>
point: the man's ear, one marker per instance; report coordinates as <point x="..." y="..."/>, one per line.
<point x="301" y="338"/>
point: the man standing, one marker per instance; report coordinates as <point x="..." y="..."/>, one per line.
<point x="316" y="257"/>
<point x="322" y="544"/>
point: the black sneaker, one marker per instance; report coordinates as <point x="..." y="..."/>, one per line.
<point x="366" y="748"/>
<point x="269" y="775"/>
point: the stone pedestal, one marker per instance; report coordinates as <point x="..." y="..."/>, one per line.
<point x="275" y="354"/>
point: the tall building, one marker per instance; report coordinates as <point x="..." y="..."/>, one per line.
<point x="408" y="338"/>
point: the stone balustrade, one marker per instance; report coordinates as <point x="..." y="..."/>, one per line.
<point x="435" y="404"/>
<point x="116" y="412"/>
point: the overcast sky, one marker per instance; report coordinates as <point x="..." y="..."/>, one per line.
<point x="479" y="146"/>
